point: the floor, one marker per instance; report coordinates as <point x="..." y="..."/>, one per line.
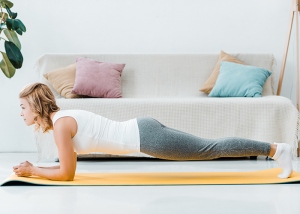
<point x="231" y="199"/>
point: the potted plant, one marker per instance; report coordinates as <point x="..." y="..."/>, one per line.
<point x="11" y="26"/>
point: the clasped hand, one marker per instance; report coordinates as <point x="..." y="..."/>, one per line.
<point x="23" y="169"/>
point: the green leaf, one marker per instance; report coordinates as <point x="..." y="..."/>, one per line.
<point x="13" y="37"/>
<point x="14" y="54"/>
<point x="11" y="14"/>
<point x="22" y="26"/>
<point x="8" y="3"/>
<point x="19" y="31"/>
<point x="14" y="24"/>
<point x="6" y="66"/>
<point x="5" y="15"/>
<point x="2" y="26"/>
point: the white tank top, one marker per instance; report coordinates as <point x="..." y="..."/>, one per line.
<point x="99" y="134"/>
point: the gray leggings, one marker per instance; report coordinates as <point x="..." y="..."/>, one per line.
<point x="163" y="142"/>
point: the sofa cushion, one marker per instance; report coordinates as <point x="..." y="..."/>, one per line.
<point x="98" y="79"/>
<point x="62" y="80"/>
<point x="211" y="81"/>
<point x="237" y="80"/>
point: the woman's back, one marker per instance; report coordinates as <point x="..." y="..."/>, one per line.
<point x="96" y="133"/>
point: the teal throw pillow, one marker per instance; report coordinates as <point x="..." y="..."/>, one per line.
<point x="238" y="80"/>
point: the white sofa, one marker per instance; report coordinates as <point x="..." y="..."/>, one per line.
<point x="166" y="87"/>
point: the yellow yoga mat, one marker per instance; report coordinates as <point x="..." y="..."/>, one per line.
<point x="268" y="176"/>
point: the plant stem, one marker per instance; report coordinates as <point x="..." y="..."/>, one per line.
<point x="2" y="38"/>
<point x="3" y="14"/>
<point x="1" y="19"/>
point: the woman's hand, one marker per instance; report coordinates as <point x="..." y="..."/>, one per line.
<point x="23" y="169"/>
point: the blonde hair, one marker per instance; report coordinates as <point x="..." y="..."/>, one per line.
<point x="42" y="103"/>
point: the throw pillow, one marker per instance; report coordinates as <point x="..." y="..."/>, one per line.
<point x="237" y="80"/>
<point x="98" y="79"/>
<point x="63" y="80"/>
<point x="211" y="81"/>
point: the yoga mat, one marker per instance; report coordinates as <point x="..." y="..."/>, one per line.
<point x="268" y="176"/>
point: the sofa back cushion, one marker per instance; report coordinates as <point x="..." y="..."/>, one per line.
<point x="238" y="80"/>
<point x="211" y="81"/>
<point x="160" y="75"/>
<point x="98" y="79"/>
<point x="63" y="80"/>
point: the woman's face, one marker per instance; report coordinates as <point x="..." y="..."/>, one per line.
<point x="26" y="113"/>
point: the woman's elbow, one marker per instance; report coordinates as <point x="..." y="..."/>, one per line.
<point x="67" y="178"/>
<point x="70" y="179"/>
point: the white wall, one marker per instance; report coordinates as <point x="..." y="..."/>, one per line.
<point x="140" y="26"/>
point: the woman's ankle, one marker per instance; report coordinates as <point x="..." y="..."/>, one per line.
<point x="273" y="149"/>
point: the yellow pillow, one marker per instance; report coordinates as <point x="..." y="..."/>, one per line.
<point x="211" y="81"/>
<point x="63" y="80"/>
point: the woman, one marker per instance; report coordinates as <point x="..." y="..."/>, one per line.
<point x="87" y="132"/>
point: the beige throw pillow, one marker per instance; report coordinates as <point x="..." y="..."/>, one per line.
<point x="211" y="81"/>
<point x="63" y="80"/>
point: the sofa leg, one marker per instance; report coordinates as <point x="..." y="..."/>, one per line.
<point x="253" y="157"/>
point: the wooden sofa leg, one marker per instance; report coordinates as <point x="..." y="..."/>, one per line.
<point x="253" y="157"/>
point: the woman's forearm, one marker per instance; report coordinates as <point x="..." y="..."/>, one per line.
<point x="49" y="167"/>
<point x="52" y="174"/>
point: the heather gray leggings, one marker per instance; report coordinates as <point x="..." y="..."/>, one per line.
<point x="163" y="142"/>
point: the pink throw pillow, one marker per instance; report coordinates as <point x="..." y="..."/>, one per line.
<point x="98" y="79"/>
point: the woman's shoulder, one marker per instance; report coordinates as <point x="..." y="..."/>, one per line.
<point x="64" y="117"/>
<point x="66" y="125"/>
